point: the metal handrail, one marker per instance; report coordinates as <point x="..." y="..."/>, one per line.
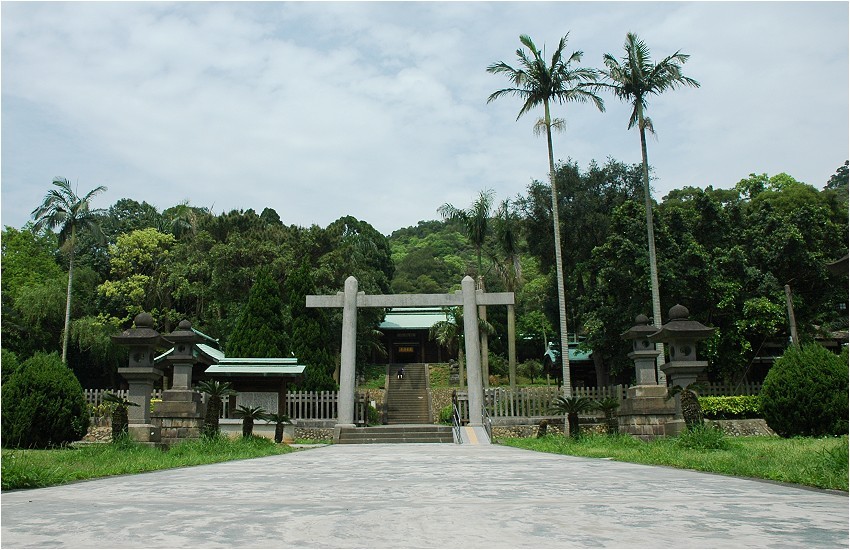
<point x="488" y="422"/>
<point x="456" y="423"/>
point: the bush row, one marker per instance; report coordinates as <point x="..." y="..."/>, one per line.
<point x="728" y="407"/>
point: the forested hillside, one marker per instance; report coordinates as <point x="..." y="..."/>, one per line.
<point x="724" y="253"/>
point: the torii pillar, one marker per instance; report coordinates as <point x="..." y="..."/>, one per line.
<point x="351" y="299"/>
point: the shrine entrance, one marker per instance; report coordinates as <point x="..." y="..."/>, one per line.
<point x="351" y="299"/>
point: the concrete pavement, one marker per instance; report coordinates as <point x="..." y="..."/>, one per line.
<point x="423" y="496"/>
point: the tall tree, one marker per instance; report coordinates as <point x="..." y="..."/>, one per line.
<point x="536" y="83"/>
<point x="260" y="330"/>
<point x="310" y="341"/>
<point x="475" y="221"/>
<point x="63" y="208"/>
<point x="510" y="270"/>
<point x="634" y="79"/>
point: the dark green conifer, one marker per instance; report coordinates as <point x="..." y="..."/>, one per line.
<point x="311" y="343"/>
<point x="260" y="330"/>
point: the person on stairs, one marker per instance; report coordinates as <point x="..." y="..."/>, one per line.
<point x="400" y="373"/>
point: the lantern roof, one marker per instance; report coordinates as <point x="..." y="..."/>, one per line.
<point x="142" y="333"/>
<point x="680" y="326"/>
<point x="642" y="329"/>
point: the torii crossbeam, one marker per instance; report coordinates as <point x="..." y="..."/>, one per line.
<point x="351" y="299"/>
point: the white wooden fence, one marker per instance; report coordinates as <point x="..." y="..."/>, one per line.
<point x="300" y="405"/>
<point x="500" y="402"/>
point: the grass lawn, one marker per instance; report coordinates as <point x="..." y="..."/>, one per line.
<point x="816" y="462"/>
<point x="28" y="469"/>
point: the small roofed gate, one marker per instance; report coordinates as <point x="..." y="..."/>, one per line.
<point x="351" y="299"/>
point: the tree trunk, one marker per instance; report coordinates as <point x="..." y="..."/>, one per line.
<point x="66" y="335"/>
<point x="278" y="433"/>
<point x="650" y="237"/>
<point x="211" y="416"/>
<point x="559" y="266"/>
<point x="120" y="422"/>
<point x="247" y="426"/>
<point x="602" y="378"/>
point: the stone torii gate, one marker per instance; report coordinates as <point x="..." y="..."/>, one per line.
<point x="351" y="299"/>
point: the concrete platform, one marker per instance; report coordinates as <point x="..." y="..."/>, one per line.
<point x="423" y="496"/>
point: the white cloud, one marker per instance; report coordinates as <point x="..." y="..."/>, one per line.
<point x="379" y="109"/>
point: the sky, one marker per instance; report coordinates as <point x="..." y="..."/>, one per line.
<point x="379" y="110"/>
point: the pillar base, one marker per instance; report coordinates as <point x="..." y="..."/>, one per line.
<point x="144" y="433"/>
<point x="645" y="412"/>
<point x="675" y="428"/>
<point x="180" y="416"/>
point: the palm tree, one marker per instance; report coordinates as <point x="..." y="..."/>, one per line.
<point x="217" y="391"/>
<point x="538" y="83"/>
<point x="510" y="271"/>
<point x="279" y="420"/>
<point x="634" y="80"/>
<point x="475" y="222"/>
<point x="571" y="406"/>
<point x="63" y="208"/>
<point x="449" y="333"/>
<point x="248" y="415"/>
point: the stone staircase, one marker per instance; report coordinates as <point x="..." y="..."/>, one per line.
<point x="408" y="414"/>
<point x="407" y="399"/>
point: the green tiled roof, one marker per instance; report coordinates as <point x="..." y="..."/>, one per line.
<point x="255" y="369"/>
<point x="412" y="319"/>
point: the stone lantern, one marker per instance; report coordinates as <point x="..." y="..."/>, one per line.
<point x="181" y="412"/>
<point x="646" y="410"/>
<point x="681" y="336"/>
<point x="141" y="374"/>
<point x="643" y="351"/>
<point x="182" y="356"/>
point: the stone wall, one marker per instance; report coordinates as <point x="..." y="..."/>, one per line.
<point x="440" y="397"/>
<point x="314" y="434"/>
<point x="750" y="426"/>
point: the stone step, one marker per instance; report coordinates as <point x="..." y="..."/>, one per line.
<point x="428" y="433"/>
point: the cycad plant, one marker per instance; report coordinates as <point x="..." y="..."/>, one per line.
<point x="571" y="406"/>
<point x="609" y="406"/>
<point x="280" y="420"/>
<point x="248" y="415"/>
<point x="691" y="409"/>
<point x="217" y="391"/>
<point x="120" y="418"/>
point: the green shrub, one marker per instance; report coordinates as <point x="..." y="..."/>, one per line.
<point x="43" y="405"/>
<point x="727" y="407"/>
<point x="9" y="364"/>
<point x="374" y="416"/>
<point x="498" y="365"/>
<point x="805" y="393"/>
<point x="446" y="414"/>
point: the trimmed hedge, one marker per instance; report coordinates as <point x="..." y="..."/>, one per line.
<point x="728" y="407"/>
<point x="43" y="405"/>
<point x="805" y="392"/>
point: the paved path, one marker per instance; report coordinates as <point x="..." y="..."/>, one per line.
<point x="423" y="496"/>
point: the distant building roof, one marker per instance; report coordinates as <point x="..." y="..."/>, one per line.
<point x="412" y="319"/>
<point x="256" y="369"/>
<point x="244" y="366"/>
